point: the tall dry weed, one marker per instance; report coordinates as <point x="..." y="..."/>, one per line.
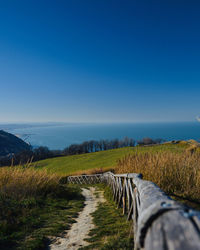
<point x="177" y="173"/>
<point x="20" y="183"/>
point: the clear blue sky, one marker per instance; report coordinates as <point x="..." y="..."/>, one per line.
<point x="102" y="60"/>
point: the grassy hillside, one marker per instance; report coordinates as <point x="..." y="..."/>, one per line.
<point x="67" y="165"/>
<point x="25" y="192"/>
<point x="83" y="163"/>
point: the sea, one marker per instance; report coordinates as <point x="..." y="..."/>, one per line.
<point x="61" y="135"/>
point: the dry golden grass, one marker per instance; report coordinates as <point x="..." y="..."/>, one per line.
<point x="175" y="173"/>
<point x="94" y="171"/>
<point x="33" y="206"/>
<point x="19" y="183"/>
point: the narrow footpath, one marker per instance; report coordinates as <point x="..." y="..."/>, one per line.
<point x="74" y="237"/>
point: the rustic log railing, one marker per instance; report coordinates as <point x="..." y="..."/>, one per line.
<point x="159" y="223"/>
<point x="86" y="179"/>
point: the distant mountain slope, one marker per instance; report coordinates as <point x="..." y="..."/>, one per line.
<point x="10" y="143"/>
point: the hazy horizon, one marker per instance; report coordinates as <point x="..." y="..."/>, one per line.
<point x="92" y="122"/>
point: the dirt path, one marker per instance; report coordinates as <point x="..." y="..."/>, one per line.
<point x="74" y="238"/>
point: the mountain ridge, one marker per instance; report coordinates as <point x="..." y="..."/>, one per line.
<point x="11" y="144"/>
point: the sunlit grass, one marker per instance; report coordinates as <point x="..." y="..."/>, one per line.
<point x="68" y="165"/>
<point x="18" y="183"/>
<point x="174" y="172"/>
<point x="34" y="205"/>
<point x="101" y="161"/>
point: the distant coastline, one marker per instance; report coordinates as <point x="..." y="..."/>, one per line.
<point x="61" y="135"/>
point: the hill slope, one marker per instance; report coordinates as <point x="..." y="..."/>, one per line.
<point x="10" y="143"/>
<point x="68" y="165"/>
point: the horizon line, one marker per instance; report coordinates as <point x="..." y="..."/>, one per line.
<point x="90" y="122"/>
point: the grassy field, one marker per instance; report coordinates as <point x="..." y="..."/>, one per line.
<point x="26" y="192"/>
<point x="106" y="160"/>
<point x="173" y="166"/>
<point x="80" y="163"/>
<point x="33" y="207"/>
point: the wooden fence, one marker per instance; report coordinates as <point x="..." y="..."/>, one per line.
<point x="159" y="223"/>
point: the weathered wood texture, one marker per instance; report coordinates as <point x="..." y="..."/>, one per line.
<point x="159" y="223"/>
<point x="86" y="179"/>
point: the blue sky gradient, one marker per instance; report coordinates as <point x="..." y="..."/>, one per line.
<point x="99" y="61"/>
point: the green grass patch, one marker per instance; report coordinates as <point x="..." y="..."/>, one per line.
<point x="28" y="223"/>
<point x="112" y="230"/>
<point x="68" y="165"/>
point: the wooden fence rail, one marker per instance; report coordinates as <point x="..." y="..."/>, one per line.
<point x="159" y="223"/>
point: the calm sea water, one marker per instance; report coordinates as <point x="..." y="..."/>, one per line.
<point x="60" y="136"/>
